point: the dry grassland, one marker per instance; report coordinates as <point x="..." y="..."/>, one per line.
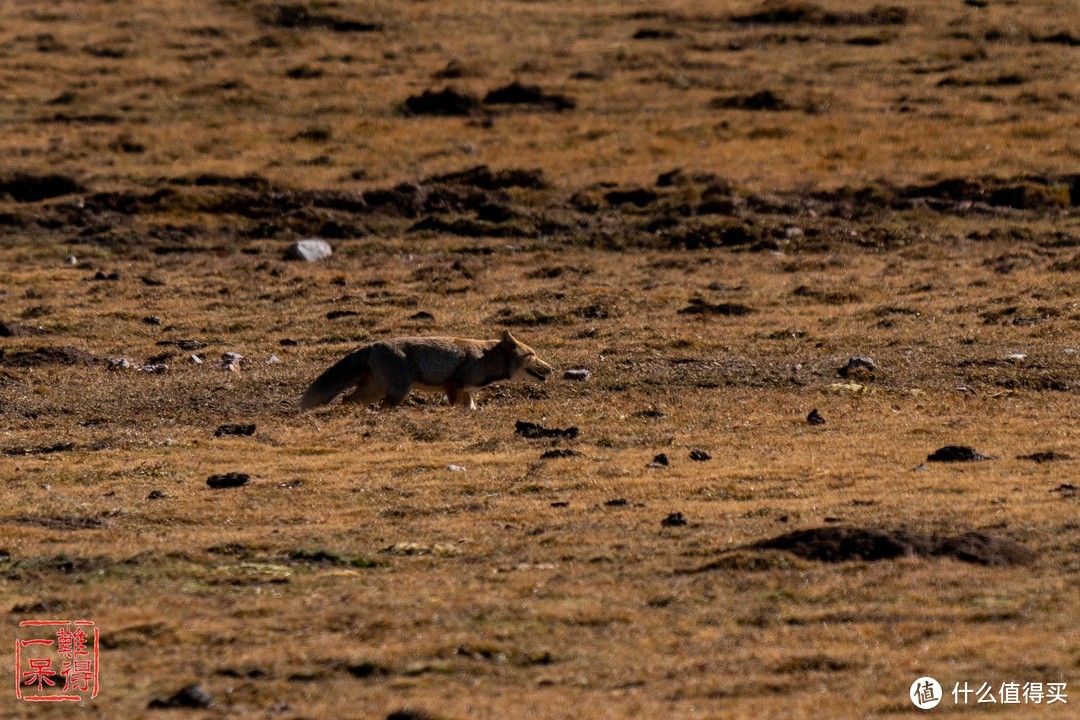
<point x="897" y="182"/>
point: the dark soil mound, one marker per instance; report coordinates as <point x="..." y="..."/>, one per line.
<point x="837" y="544"/>
<point x="301" y="17"/>
<point x="763" y="100"/>
<point x="23" y="187"/>
<point x="956" y="453"/>
<point x="485" y="178"/>
<point x="791" y="12"/>
<point x="1044" y="457"/>
<point x="47" y="356"/>
<point x="518" y="94"/>
<point x="698" y="306"/>
<point x="532" y="431"/>
<point x="983" y="549"/>
<point x="444" y="102"/>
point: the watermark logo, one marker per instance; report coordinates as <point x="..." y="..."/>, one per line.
<point x="925" y="693"/>
<point x="56" y="661"/>
<point x="1012" y="693"/>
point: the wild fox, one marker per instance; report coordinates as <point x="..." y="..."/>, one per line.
<point x="389" y="369"/>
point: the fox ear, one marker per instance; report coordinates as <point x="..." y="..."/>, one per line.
<point x="508" y="339"/>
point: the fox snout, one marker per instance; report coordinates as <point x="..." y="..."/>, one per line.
<point x="540" y="372"/>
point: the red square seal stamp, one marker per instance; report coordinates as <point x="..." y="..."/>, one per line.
<point x="56" y="661"/>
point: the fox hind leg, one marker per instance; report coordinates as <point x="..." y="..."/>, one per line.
<point x="368" y="391"/>
<point x="396" y="394"/>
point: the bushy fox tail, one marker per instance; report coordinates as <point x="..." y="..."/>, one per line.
<point x="343" y="374"/>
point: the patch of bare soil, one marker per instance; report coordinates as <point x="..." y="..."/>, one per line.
<point x="840" y="544"/>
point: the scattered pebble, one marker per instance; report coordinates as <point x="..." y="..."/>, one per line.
<point x="814" y="418"/>
<point x="1066" y="490"/>
<point x="660" y="460"/>
<point x="156" y="495"/>
<point x="455" y="468"/>
<point x="125" y="364"/>
<point x="234" y="429"/>
<point x="422" y="315"/>
<point x="309" y="250"/>
<point x="578" y="374"/>
<point x="560" y="504"/>
<point x="195" y="360"/>
<point x="675" y="519"/>
<point x="152" y="320"/>
<point x="273" y="360"/>
<point x="1016" y="357"/>
<point x="858" y="368"/>
<point x="228" y="480"/>
<point x="233" y="362"/>
<point x="700" y="456"/>
<point x="617" y="502"/>
<point x="189" y="696"/>
<point x="71" y="260"/>
<point x="956" y="453"/>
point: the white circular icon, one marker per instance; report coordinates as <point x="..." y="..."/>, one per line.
<point x="925" y="693"/>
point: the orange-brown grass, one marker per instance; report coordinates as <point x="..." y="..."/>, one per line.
<point x="130" y="91"/>
<point x="474" y="596"/>
<point x="357" y="574"/>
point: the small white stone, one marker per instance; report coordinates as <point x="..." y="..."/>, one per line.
<point x="455" y="468"/>
<point x="309" y="250"/>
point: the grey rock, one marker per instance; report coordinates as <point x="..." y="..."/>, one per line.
<point x="579" y="374"/>
<point x="309" y="250"/>
<point x="858" y="368"/>
<point x="189" y="696"/>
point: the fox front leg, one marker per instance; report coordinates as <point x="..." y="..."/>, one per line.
<point x="458" y="396"/>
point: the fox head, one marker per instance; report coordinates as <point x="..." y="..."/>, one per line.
<point x="522" y="361"/>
